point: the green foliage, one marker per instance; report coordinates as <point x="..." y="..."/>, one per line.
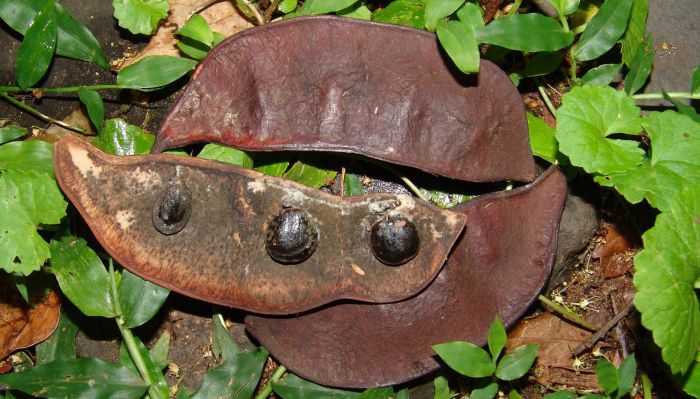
<point x="695" y="80"/>
<point x="73" y="40"/>
<point x="28" y="200"/>
<point x="636" y="30"/>
<point x="154" y="72"/>
<point x="226" y="154"/>
<point x="36" y="51"/>
<point x="121" y="138"/>
<point x="94" y="105"/>
<point x="565" y="7"/>
<point x="61" y="344"/>
<point x="294" y="387"/>
<point x="615" y="383"/>
<point x="604" y="30"/>
<point x="542" y="64"/>
<point x="441" y="388"/>
<point x="287" y="6"/>
<point x="83" y="378"/>
<point x="525" y="32"/>
<point x="153" y="369"/>
<point x="27" y="155"/>
<point x="601" y="75"/>
<point x="314" y="7"/>
<point x="436" y="10"/>
<point x="308" y="173"/>
<point x="12" y="132"/>
<point x="139" y="299"/>
<point x="222" y="343"/>
<point x="403" y="12"/>
<point x="640" y="66"/>
<point x="459" y="42"/>
<point x="542" y="140"/>
<point x="272" y="163"/>
<point x="466" y="358"/>
<point x="197" y="38"/>
<point x="516" y="363"/>
<point x="234" y="378"/>
<point x="140" y="16"/>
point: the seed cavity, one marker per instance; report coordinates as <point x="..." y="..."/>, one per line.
<point x="291" y="236"/>
<point x="394" y="240"/>
<point x="172" y="209"/>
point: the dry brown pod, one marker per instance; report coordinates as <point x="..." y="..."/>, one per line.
<point x="202" y="228"/>
<point x="325" y="83"/>
<point x="497" y="267"/>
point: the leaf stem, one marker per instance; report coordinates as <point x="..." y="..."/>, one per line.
<point x="660" y="96"/>
<point x="38" y="114"/>
<point x="545" y="97"/>
<point x="67" y="89"/>
<point x="255" y="11"/>
<point x="128" y="337"/>
<point x="514" y="8"/>
<point x="267" y="389"/>
<point x="646" y="385"/>
<point x="569" y="314"/>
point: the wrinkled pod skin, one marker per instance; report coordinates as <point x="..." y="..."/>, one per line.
<point x="325" y="83"/>
<point x="498" y="266"/>
<point x="200" y="227"/>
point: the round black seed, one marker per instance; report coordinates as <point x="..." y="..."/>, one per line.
<point x="291" y="237"/>
<point x="394" y="240"/>
<point x="172" y="209"/>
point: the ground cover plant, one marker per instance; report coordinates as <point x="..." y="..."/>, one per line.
<point x="598" y="51"/>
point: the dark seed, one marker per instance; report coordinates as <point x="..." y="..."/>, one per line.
<point x="172" y="209"/>
<point x="291" y="237"/>
<point x="394" y="241"/>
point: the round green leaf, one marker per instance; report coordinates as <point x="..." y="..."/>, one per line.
<point x="525" y="32"/>
<point x="140" y="16"/>
<point x="516" y="363"/>
<point x="27" y="155"/>
<point x="154" y="72"/>
<point x="466" y="358"/>
<point x="36" y="51"/>
<point x="603" y="30"/>
<point x="139" y="299"/>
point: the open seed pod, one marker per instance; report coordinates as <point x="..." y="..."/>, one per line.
<point x="498" y="267"/>
<point x="236" y="237"/>
<point x="384" y="91"/>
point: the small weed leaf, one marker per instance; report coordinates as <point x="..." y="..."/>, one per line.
<point x="12" y="132"/>
<point x="36" y="51"/>
<point x="356" y="11"/>
<point x="441" y="388"/>
<point x="459" y="42"/>
<point x="121" y="138"/>
<point x="27" y="200"/>
<point x="516" y="363"/>
<point x="640" y="66"/>
<point x="61" y="344"/>
<point x="293" y="387"/>
<point x="198" y="29"/>
<point x="352" y="185"/>
<point x="159" y="351"/>
<point x="636" y="30"/>
<point x="222" y="343"/>
<point x="525" y="32"/>
<point x="666" y="271"/>
<point x="684" y="109"/>
<point x="77" y="378"/>
<point x="308" y="174"/>
<point x="496" y="338"/>
<point x="153" y="369"/>
<point x="154" y="72"/>
<point x="471" y="15"/>
<point x="542" y="64"/>
<point x="607" y="376"/>
<point x="94" y="105"/>
<point x="603" y="30"/>
<point x="314" y="7"/>
<point x="272" y="163"/>
<point x="436" y="10"/>
<point x="377" y="393"/>
<point x="287" y="6"/>
<point x="466" y="358"/>
<point x="234" y="378"/>
<point x="488" y="391"/>
<point x="81" y="276"/>
<point x="139" y="299"/>
<point x="226" y="154"/>
<point x="695" y="80"/>
<point x="542" y="140"/>
<point x="140" y="16"/>
<point x="27" y="155"/>
<point x="673" y="164"/>
<point x="560" y="395"/>
<point x="192" y="48"/>
<point x="601" y="75"/>
<point x="627" y="373"/>
<point x="585" y="120"/>
<point x="690" y="381"/>
<point x="402" y="12"/>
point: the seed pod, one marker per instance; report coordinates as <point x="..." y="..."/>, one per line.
<point x="291" y="237"/>
<point x="394" y="241"/>
<point x="172" y="209"/>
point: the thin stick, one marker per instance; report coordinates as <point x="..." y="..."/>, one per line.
<point x="588" y="343"/>
<point x="569" y="314"/>
<point x="67" y="89"/>
<point x="660" y="96"/>
<point x="267" y="390"/>
<point x="255" y="11"/>
<point x="271" y="10"/>
<point x="545" y="97"/>
<point x="41" y="116"/>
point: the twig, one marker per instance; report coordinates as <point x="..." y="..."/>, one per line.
<point x="545" y="97"/>
<point x="569" y="314"/>
<point x="588" y="343"/>
<point x="255" y="11"/>
<point x="267" y="390"/>
<point x="41" y="116"/>
<point x="271" y="10"/>
<point x="342" y="181"/>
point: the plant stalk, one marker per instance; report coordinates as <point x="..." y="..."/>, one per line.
<point x="660" y="96"/>
<point x="68" y="89"/>
<point x="259" y="18"/>
<point x="514" y="8"/>
<point x="38" y="114"/>
<point x="545" y="97"/>
<point x="128" y="337"/>
<point x="569" y="314"/>
<point x="267" y="390"/>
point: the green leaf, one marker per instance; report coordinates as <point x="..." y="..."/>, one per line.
<point x="607" y="375"/>
<point x="357" y="11"/>
<point x="466" y="358"/>
<point x="525" y="32"/>
<point x="159" y="351"/>
<point x="352" y="185"/>
<point x="516" y="363"/>
<point x="560" y="395"/>
<point x="603" y="30"/>
<point x="81" y="276"/>
<point x="542" y="140"/>
<point x="153" y="369"/>
<point x="636" y="30"/>
<point x="74" y="40"/>
<point x="542" y="64"/>
<point x="674" y="162"/>
<point x="234" y="378"/>
<point x="666" y="271"/>
<point x="198" y="29"/>
<point x="488" y="391"/>
<point x="34" y="155"/>
<point x="139" y="299"/>
<point x="565" y="7"/>
<point x="140" y="16"/>
<point x="272" y="163"/>
<point x="218" y="38"/>
<point x="691" y="380"/>
<point x="287" y="6"/>
<point x="313" y="7"/>
<point x="27" y="200"/>
<point x="695" y="80"/>
<point x="309" y="174"/>
<point x="459" y="42"/>
<point x="121" y="138"/>
<point x="441" y="387"/>
<point x="640" y="67"/>
<point x="193" y="48"/>
<point x="95" y="107"/>
<point x="36" y="51"/>
<point x="444" y="199"/>
<point x="585" y="120"/>
<point x="496" y="338"/>
<point x="154" y="72"/>
<point x="12" y="132"/>
<point x="222" y="343"/>
<point x="226" y="154"/>
<point x="437" y="10"/>
<point x="471" y="15"/>
<point x="402" y="12"/>
<point x="402" y="394"/>
<point x="77" y="378"/>
<point x="293" y="387"/>
<point x="627" y="373"/>
<point x="684" y="109"/>
<point x="513" y="394"/>
<point x="377" y="393"/>
<point x="61" y="344"/>
<point x="601" y="75"/>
